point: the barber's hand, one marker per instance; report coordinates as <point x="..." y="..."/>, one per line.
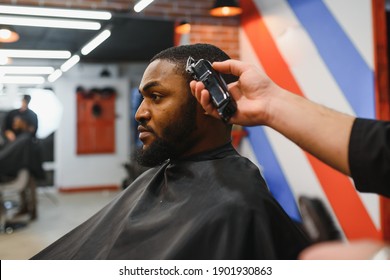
<point x="252" y="92"/>
<point x="354" y="250"/>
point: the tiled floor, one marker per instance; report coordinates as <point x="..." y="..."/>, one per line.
<point x="57" y="214"/>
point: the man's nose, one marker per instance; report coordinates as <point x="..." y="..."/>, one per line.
<point x="143" y="114"/>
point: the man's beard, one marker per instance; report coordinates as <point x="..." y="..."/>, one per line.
<point x="174" y="140"/>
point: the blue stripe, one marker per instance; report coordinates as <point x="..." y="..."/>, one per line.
<point x="352" y="74"/>
<point x="272" y="172"/>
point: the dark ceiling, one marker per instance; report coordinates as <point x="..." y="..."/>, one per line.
<point x="135" y="36"/>
<point x="132" y="39"/>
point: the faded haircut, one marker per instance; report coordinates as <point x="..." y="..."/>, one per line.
<point x="179" y="55"/>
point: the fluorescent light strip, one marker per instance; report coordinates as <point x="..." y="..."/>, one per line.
<point x="32" y="70"/>
<point x="48" y="54"/>
<point x="95" y="42"/>
<point x="50" y="12"/>
<point x="4" y="59"/>
<point x="70" y="63"/>
<point x="50" y="23"/>
<point x="54" y="76"/>
<point x="22" y="80"/>
<point x="142" y="5"/>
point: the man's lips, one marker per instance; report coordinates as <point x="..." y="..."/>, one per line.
<point x="144" y="133"/>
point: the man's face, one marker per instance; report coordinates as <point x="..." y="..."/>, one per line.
<point x="166" y="115"/>
<point x="24" y="105"/>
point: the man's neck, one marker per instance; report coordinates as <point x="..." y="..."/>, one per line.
<point x="207" y="144"/>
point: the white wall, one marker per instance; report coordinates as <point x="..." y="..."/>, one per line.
<point x="72" y="170"/>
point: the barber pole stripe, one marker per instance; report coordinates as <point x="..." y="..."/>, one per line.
<point x="274" y="37"/>
<point x="347" y="66"/>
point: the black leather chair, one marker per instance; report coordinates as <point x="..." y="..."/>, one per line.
<point x="17" y="198"/>
<point x="317" y="221"/>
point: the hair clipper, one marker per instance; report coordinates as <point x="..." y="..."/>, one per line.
<point x="202" y="70"/>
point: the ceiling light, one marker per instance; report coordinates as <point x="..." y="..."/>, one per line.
<point x="50" y="12"/>
<point x="142" y="5"/>
<point x="225" y="8"/>
<point x="183" y="28"/>
<point x="54" y="76"/>
<point x="8" y="35"/>
<point x="48" y="54"/>
<point x="4" y="59"/>
<point x="95" y="42"/>
<point x="31" y="70"/>
<point x="49" y="22"/>
<point x="70" y="63"/>
<point x="22" y="80"/>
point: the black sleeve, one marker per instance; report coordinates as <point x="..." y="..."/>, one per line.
<point x="35" y="124"/>
<point x="32" y="120"/>
<point x="369" y="156"/>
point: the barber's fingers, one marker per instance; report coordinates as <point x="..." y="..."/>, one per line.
<point x="203" y="96"/>
<point x="196" y="88"/>
<point x="231" y="66"/>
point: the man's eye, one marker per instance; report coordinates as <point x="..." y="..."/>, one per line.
<point x="155" y="97"/>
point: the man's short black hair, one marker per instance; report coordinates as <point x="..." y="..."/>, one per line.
<point x="27" y="98"/>
<point x="179" y="55"/>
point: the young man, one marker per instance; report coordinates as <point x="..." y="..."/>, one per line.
<point x="201" y="200"/>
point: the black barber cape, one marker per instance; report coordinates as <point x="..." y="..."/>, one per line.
<point x="211" y="206"/>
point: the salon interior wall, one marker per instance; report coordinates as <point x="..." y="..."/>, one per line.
<point x="323" y="50"/>
<point x="73" y="171"/>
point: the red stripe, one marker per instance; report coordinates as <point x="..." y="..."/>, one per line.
<point x="89" y="188"/>
<point x="347" y="205"/>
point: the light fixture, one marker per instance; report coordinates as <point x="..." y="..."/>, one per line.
<point x="183" y="27"/>
<point x="225" y="8"/>
<point x="142" y="5"/>
<point x="48" y="54"/>
<point x="22" y="80"/>
<point x="105" y="73"/>
<point x="52" y="12"/>
<point x="95" y="42"/>
<point x="54" y="76"/>
<point x="4" y="59"/>
<point x="70" y="63"/>
<point x="8" y="35"/>
<point x="50" y="22"/>
<point x="26" y="70"/>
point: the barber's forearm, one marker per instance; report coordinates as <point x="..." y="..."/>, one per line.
<point x="319" y="130"/>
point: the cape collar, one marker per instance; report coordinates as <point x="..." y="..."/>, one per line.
<point x="217" y="153"/>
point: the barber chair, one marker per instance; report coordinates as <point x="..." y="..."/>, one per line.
<point x="17" y="196"/>
<point x="317" y="221"/>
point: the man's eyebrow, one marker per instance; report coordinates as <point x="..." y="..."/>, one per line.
<point x="148" y="86"/>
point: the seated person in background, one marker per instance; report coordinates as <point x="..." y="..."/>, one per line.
<point x="12" y="120"/>
<point x="19" y="126"/>
<point x="201" y="200"/>
<point x="22" y="151"/>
